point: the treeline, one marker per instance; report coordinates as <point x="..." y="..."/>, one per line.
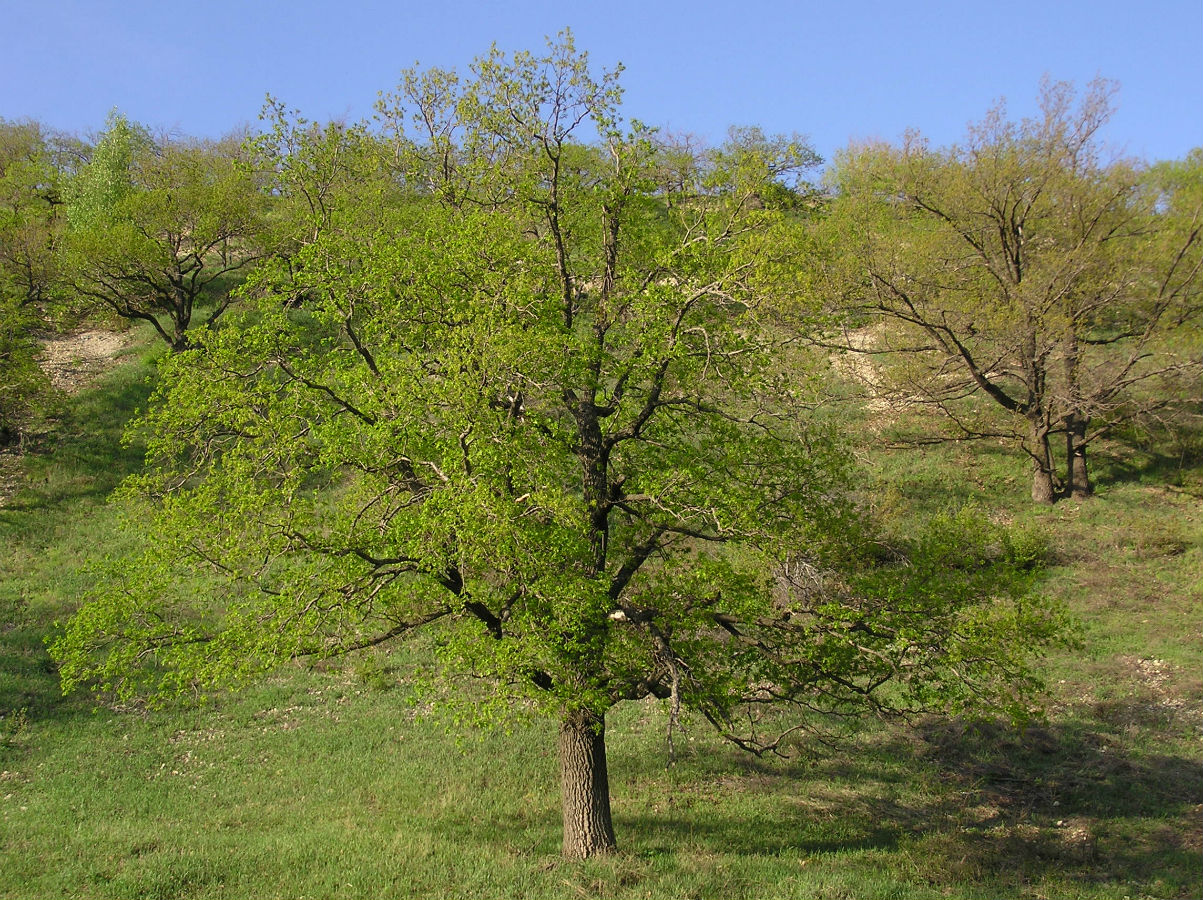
<point x="1023" y="284"/>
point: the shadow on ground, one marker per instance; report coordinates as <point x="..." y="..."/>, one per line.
<point x="48" y="530"/>
<point x="81" y="454"/>
<point x="1069" y="798"/>
<point x="1081" y="801"/>
<point x="1160" y="456"/>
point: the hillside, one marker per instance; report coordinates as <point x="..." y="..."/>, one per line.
<point x="328" y="780"/>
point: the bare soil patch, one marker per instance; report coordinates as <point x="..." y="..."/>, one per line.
<point x="75" y="361"/>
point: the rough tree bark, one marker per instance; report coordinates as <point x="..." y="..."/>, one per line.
<point x="585" y="785"/>
<point x="1077" y="483"/>
<point x="1044" y="488"/>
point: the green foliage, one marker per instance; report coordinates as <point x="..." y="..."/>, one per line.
<point x="315" y="173"/>
<point x="95" y="195"/>
<point x="157" y="228"/>
<point x="29" y="226"/>
<point x="537" y="398"/>
<point x="28" y="231"/>
<point x="1023" y="268"/>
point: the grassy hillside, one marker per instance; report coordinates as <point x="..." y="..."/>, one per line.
<point x="328" y="781"/>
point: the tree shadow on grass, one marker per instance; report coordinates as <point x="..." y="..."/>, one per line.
<point x="69" y="470"/>
<point x="1067" y="800"/>
<point x="29" y="687"/>
<point x="82" y="455"/>
<point x="788" y="833"/>
<point x="1156" y="457"/>
<point x="30" y="690"/>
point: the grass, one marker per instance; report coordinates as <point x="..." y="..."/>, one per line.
<point x="59" y="525"/>
<point x="324" y="781"/>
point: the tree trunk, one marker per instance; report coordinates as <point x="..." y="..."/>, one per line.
<point x="1044" y="489"/>
<point x="1077" y="479"/>
<point x="1078" y="483"/>
<point x="585" y="785"/>
<point x="179" y="331"/>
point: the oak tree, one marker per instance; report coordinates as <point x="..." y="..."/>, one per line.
<point x="541" y="406"/>
<point x="155" y="226"/>
<point x="1021" y="282"/>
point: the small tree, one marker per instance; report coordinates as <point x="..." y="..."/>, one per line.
<point x="547" y="413"/>
<point x="29" y="221"/>
<point x="154" y="226"/>
<point x="22" y="383"/>
<point x="28" y="234"/>
<point x="1024" y="270"/>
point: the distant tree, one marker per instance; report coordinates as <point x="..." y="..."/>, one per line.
<point x="29" y="201"/>
<point x="1023" y="269"/>
<point x="28" y="235"/>
<point x="549" y="416"/>
<point x="23" y="385"/>
<point x="316" y="171"/>
<point x="154" y="227"/>
<point x="316" y="175"/>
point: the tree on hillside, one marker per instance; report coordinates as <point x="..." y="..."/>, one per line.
<point x="316" y="171"/>
<point x="1023" y="269"/>
<point x="29" y="201"/>
<point x="156" y="226"/>
<point x="317" y="175"/>
<point x="22" y="382"/>
<point x="543" y="410"/>
<point x="29" y="230"/>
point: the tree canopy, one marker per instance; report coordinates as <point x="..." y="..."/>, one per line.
<point x="29" y="228"/>
<point x="531" y="393"/>
<point x="154" y="225"/>
<point x="1026" y="270"/>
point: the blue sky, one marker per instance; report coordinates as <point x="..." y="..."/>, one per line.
<point x="835" y="71"/>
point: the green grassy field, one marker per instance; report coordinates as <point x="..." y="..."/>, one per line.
<point x="328" y="781"/>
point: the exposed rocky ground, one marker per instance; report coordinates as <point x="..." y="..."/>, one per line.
<point x="74" y="361"/>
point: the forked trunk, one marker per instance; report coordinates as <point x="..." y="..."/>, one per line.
<point x="585" y="785"/>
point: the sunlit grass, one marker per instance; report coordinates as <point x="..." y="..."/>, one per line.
<point x="324" y="781"/>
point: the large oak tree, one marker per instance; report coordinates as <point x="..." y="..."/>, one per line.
<point x="539" y="403"/>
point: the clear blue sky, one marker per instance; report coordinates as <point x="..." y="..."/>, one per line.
<point x="849" y="69"/>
